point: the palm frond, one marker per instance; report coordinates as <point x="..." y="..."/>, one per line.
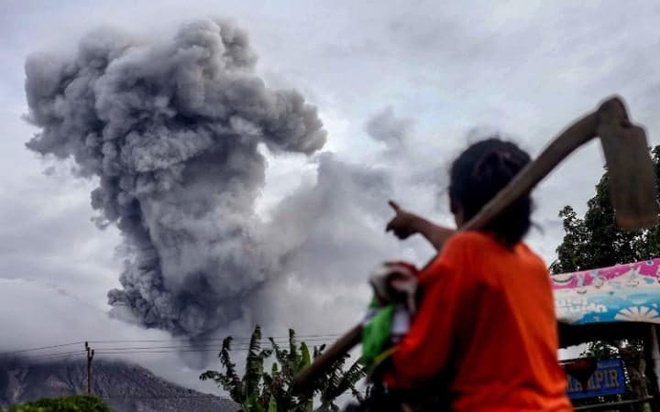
<point x="210" y="375"/>
<point x="305" y="359"/>
<point x="318" y="350"/>
<point x="254" y="363"/>
<point x="350" y="378"/>
<point x="282" y="355"/>
<point x="293" y="349"/>
<point x="229" y="380"/>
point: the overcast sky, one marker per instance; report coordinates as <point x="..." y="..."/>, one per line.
<point x="431" y="76"/>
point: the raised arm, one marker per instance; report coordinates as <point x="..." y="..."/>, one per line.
<point x="405" y="224"/>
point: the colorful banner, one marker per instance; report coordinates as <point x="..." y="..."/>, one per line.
<point x="607" y="379"/>
<point x="622" y="293"/>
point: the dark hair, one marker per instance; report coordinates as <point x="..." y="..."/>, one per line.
<point x="479" y="173"/>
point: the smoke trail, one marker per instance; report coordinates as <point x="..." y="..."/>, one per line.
<point x="172" y="130"/>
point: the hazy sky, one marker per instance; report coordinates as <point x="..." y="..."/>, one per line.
<point x="432" y="75"/>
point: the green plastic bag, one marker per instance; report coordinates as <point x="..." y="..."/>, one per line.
<point x="376" y="336"/>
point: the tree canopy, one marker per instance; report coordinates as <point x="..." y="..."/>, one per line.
<point x="594" y="241"/>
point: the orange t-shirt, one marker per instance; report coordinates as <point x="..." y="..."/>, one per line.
<point x="487" y="322"/>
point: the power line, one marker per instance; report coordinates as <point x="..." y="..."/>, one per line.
<point x="234" y="339"/>
<point x="62" y="345"/>
<point x="52" y="356"/>
<point x="137" y="351"/>
<point x="128" y="351"/>
<point x="147" y="352"/>
<point x="192" y="346"/>
<point x="216" y="397"/>
<point x="127" y="346"/>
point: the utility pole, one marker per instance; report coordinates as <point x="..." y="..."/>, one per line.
<point x="90" y="356"/>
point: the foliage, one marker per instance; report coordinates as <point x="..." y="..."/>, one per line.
<point x="270" y="391"/>
<point x="631" y="352"/>
<point x="595" y="241"/>
<point x="68" y="404"/>
<point x="337" y="381"/>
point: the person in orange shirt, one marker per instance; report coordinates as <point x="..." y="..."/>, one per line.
<point x="485" y="335"/>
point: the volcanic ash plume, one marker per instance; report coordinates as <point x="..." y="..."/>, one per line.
<point x="172" y="132"/>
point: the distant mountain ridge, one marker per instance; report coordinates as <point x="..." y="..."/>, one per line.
<point x="125" y="387"/>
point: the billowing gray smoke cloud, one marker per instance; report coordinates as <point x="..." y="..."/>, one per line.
<point x="172" y="130"/>
<point x="386" y="127"/>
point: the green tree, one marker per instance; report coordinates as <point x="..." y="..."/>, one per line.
<point x="258" y="390"/>
<point x="595" y="241"/>
<point x="68" y="404"/>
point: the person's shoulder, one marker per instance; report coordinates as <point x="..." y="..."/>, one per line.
<point x="458" y="255"/>
<point x="455" y="252"/>
<point x="531" y="256"/>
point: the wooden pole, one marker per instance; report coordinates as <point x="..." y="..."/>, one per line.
<point x="90" y="357"/>
<point x="306" y="377"/>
